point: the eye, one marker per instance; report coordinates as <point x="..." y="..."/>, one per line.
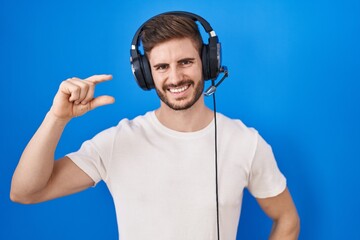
<point x="161" y="67"/>
<point x="186" y="62"/>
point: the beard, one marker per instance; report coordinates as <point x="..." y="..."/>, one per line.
<point x="178" y="104"/>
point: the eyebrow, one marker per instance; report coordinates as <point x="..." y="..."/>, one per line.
<point x="186" y="59"/>
<point x="181" y="60"/>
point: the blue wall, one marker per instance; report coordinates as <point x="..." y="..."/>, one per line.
<point x="294" y="75"/>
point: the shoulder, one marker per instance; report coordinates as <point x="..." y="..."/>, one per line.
<point x="235" y="125"/>
<point x="137" y="123"/>
<point x="236" y="135"/>
<point x="126" y="125"/>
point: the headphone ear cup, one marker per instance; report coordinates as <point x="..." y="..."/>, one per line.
<point x="137" y="71"/>
<point x="214" y="58"/>
<point x="205" y="62"/>
<point x="146" y="70"/>
<point x="210" y="57"/>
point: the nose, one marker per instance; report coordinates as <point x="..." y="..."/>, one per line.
<point x="175" y="75"/>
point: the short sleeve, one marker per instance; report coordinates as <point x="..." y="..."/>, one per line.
<point x="265" y="179"/>
<point x="88" y="160"/>
<point x="94" y="155"/>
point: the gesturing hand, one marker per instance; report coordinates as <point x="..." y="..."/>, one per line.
<point x="75" y="97"/>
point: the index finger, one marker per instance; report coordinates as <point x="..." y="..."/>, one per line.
<point x="99" y="78"/>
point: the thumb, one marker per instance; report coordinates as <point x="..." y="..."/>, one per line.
<point x="101" y="101"/>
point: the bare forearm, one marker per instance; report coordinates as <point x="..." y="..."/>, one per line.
<point x="37" y="161"/>
<point x="286" y="229"/>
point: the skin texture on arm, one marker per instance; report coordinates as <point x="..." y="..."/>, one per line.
<point x="281" y="209"/>
<point x="38" y="177"/>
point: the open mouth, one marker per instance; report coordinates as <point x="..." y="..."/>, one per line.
<point x="179" y="89"/>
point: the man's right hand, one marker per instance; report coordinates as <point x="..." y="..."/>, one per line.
<point x="75" y="97"/>
<point x="38" y="177"/>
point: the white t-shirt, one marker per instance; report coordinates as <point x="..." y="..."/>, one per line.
<point x="163" y="181"/>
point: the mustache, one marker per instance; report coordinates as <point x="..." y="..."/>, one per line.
<point x="179" y="84"/>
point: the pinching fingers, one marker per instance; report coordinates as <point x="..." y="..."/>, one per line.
<point x="99" y="78"/>
<point x="77" y="90"/>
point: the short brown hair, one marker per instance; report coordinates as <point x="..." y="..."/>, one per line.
<point x="165" y="27"/>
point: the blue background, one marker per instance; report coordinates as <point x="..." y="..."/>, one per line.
<point x="294" y="75"/>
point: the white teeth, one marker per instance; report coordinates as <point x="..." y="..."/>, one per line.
<point x="178" y="90"/>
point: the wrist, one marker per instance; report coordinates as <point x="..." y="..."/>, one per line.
<point x="52" y="117"/>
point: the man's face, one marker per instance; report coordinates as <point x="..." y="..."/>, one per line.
<point x="177" y="72"/>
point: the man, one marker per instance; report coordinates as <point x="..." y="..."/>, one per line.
<point x="159" y="167"/>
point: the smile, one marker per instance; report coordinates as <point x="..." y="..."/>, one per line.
<point x="179" y="89"/>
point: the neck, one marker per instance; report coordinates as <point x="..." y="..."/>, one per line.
<point x="193" y="119"/>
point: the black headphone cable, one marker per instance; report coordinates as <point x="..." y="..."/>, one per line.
<point x="211" y="91"/>
<point x="216" y="170"/>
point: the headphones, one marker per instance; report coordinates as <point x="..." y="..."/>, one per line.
<point x="210" y="54"/>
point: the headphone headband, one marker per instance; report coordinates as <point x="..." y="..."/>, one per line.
<point x="211" y="53"/>
<point x="202" y="21"/>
